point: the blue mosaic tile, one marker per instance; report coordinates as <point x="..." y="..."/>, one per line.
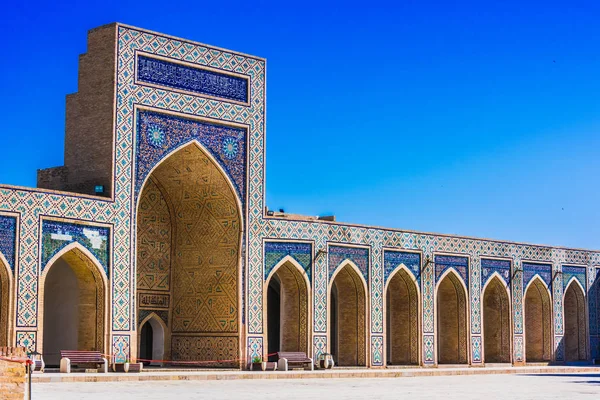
<point x="358" y="255"/>
<point x="392" y="259"/>
<point x="57" y="235"/>
<point x="460" y="264"/>
<point x="8" y="238"/>
<point x="159" y="134"/>
<point x="191" y="79"/>
<point x="569" y="272"/>
<point x="276" y="251"/>
<point x="489" y="266"/>
<point x="531" y="269"/>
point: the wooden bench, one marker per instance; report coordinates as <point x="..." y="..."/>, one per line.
<point x="289" y="359"/>
<point x="78" y="357"/>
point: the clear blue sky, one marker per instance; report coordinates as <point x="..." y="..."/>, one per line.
<point x="470" y="119"/>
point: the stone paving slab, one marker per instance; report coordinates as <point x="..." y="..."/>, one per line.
<point x="166" y="375"/>
<point x="518" y="386"/>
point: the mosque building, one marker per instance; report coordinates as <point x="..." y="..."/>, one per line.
<point x="154" y="241"/>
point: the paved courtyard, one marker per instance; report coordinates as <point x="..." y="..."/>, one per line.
<point x="480" y="387"/>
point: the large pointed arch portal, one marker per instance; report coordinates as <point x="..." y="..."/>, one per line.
<point x="189" y="227"/>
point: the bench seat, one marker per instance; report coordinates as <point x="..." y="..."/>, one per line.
<point x="80" y="357"/>
<point x="289" y="359"/>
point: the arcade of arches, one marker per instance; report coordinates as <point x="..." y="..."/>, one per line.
<point x="287" y="310"/>
<point x="575" y="323"/>
<point x="402" y="307"/>
<point x="74" y="297"/>
<point x="348" y="318"/>
<point x="188" y="255"/>
<point x="538" y="316"/>
<point x="452" y="320"/>
<point x="496" y="322"/>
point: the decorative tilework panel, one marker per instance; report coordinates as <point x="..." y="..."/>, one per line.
<point x="191" y="79"/>
<point x="159" y="134"/>
<point x="8" y="232"/>
<point x="319" y="346"/>
<point x="428" y="349"/>
<point x="358" y="255"/>
<point x="27" y="339"/>
<point x="392" y="259"/>
<point x="532" y="269"/>
<point x="476" y="349"/>
<point x="518" y="351"/>
<point x="58" y="235"/>
<point x="120" y="348"/>
<point x="460" y="264"/>
<point x="559" y="348"/>
<point x="276" y="251"/>
<point x="255" y="348"/>
<point x="377" y="350"/>
<point x="489" y="266"/>
<point x="569" y="272"/>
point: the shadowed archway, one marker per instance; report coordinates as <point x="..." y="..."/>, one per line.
<point x="538" y="316"/>
<point x="189" y="227"/>
<point x="74" y="305"/>
<point x="348" y="317"/>
<point x="402" y="319"/>
<point x="496" y="322"/>
<point x="452" y="320"/>
<point x="575" y="323"/>
<point x="287" y="309"/>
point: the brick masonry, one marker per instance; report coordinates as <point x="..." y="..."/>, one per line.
<point x="12" y="374"/>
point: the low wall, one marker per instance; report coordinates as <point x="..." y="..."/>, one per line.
<point x="12" y="374"/>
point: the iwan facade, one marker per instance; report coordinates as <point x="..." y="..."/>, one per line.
<point x="153" y="241"/>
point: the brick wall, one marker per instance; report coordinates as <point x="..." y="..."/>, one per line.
<point x="89" y="121"/>
<point x="12" y="374"/>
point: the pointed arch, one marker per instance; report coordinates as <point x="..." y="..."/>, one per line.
<point x="73" y="300"/>
<point x="575" y="325"/>
<point x="190" y="242"/>
<point x="287" y="322"/>
<point x="402" y="310"/>
<point x="348" y="315"/>
<point x="496" y="320"/>
<point x="452" y="322"/>
<point x="538" y="321"/>
<point x="159" y="343"/>
<point x="6" y="299"/>
<point x="207" y="154"/>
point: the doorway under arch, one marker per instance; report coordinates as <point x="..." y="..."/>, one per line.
<point x="538" y="316"/>
<point x="287" y="309"/>
<point x="452" y="320"/>
<point x="348" y="317"/>
<point x="152" y="341"/>
<point x="496" y="322"/>
<point x="189" y="231"/>
<point x="402" y="319"/>
<point x="575" y="337"/>
<point x="74" y="296"/>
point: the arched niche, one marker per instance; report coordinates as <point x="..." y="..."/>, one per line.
<point x="402" y="318"/>
<point x="452" y="325"/>
<point x="538" y="325"/>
